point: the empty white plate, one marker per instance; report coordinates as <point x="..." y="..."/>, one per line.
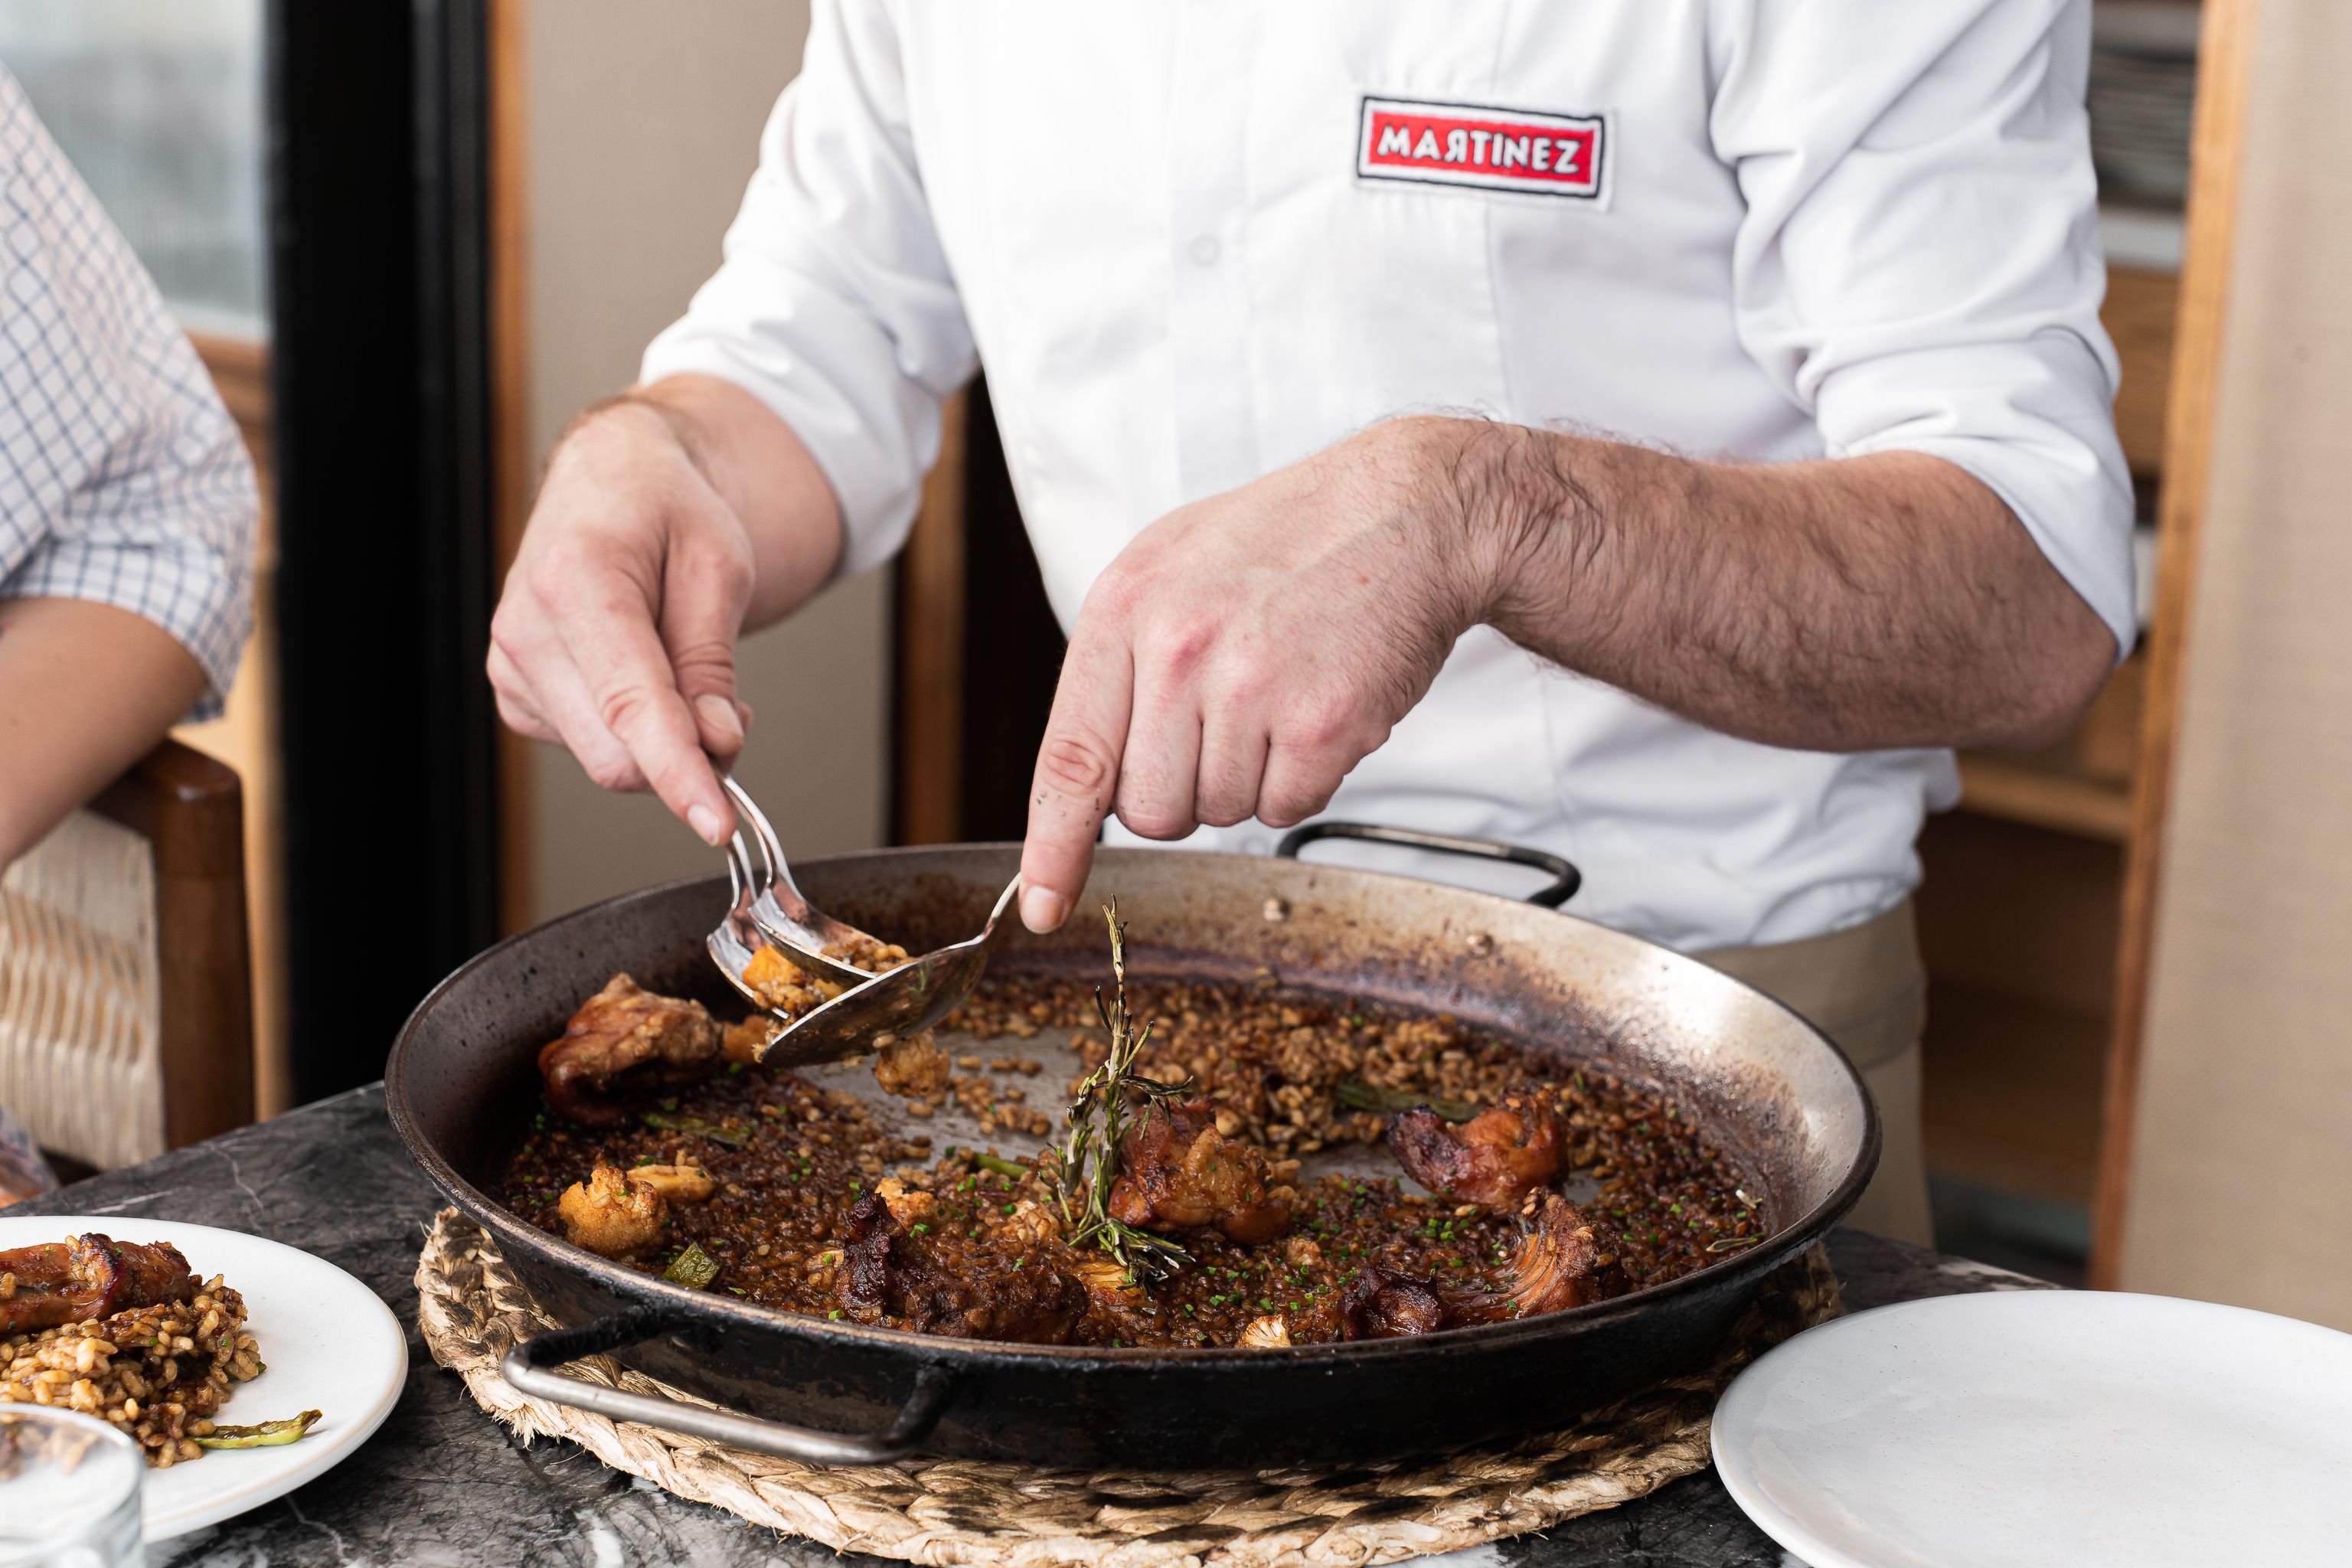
<point x="329" y="1343"/>
<point x="2048" y="1427"/>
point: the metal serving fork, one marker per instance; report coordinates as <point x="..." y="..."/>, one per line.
<point x="767" y="910"/>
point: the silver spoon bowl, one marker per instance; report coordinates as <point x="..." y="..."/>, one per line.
<point x="767" y="911"/>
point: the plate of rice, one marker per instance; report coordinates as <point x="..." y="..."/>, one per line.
<point x="241" y="1366"/>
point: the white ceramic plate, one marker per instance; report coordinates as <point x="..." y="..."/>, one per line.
<point x="329" y="1343"/>
<point x="2048" y="1427"/>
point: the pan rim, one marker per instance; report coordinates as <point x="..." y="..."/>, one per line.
<point x="1787" y="1242"/>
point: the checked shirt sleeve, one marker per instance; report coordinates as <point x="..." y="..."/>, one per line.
<point x="122" y="478"/>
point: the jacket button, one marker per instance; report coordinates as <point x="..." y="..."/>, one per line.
<point x="1205" y="250"/>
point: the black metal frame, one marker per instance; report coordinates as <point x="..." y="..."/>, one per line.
<point x="379" y="251"/>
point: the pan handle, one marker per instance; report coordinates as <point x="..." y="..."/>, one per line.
<point x="1566" y="878"/>
<point x="530" y="1367"/>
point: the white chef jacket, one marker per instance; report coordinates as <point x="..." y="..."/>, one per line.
<point x="1195" y="242"/>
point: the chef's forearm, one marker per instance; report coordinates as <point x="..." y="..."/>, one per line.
<point x="765" y="474"/>
<point x="1880" y="600"/>
<point x="85" y="691"/>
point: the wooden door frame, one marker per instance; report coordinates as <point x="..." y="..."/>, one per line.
<point x="2224" y="68"/>
<point x="513" y="458"/>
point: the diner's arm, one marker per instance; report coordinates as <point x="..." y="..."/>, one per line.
<point x="86" y="689"/>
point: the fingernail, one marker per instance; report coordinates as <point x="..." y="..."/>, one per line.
<point x="1043" y="910"/>
<point x="720" y="719"/>
<point x="707" y="822"/>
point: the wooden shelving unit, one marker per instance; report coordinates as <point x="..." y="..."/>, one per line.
<point x="2019" y="912"/>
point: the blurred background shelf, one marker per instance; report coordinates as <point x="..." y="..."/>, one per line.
<point x="2020" y="913"/>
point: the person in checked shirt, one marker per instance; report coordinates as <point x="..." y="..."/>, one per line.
<point x="128" y="509"/>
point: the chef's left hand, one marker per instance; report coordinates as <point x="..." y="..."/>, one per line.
<point x="1244" y="652"/>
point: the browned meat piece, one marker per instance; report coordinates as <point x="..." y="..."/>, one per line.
<point x="1177" y="1172"/>
<point x="626" y="1037"/>
<point x="1385" y="1305"/>
<point x="888" y="1273"/>
<point x="85" y="1277"/>
<point x="1561" y="1262"/>
<point x="1495" y="1159"/>
<point x="614" y="1214"/>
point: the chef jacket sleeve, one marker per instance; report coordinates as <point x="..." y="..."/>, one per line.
<point x="1919" y="266"/>
<point x="833" y="304"/>
<point x="123" y="480"/>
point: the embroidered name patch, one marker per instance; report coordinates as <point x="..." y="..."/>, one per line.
<point x="1487" y="149"/>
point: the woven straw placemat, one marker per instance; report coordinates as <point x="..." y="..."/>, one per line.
<point x="969" y="1511"/>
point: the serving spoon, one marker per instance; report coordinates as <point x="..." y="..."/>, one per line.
<point x="766" y="910"/>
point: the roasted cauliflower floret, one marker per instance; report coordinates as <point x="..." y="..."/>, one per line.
<point x="908" y="1206"/>
<point x="612" y="1216"/>
<point x="677" y="1181"/>
<point x="1266" y="1334"/>
<point x="912" y="1067"/>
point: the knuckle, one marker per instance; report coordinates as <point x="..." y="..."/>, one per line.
<point x="1245" y="686"/>
<point x="1153" y="816"/>
<point x="705" y="665"/>
<point x="1319" y="724"/>
<point x="1155" y="822"/>
<point x="625" y="708"/>
<point x="552" y="576"/>
<point x="1187" y="643"/>
<point x="1292" y="806"/>
<point x="1221" y="814"/>
<point x="609" y="772"/>
<point x="1118" y="589"/>
<point x="1075" y="764"/>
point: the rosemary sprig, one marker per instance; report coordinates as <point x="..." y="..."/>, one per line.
<point x="1085" y="1167"/>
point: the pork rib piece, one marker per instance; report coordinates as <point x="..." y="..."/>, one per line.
<point x="625" y="1037"/>
<point x="88" y="1277"/>
<point x="1495" y="1159"/>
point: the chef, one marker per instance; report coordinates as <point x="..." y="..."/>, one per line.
<point x="1653" y="432"/>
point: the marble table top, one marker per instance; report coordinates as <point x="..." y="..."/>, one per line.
<point x="441" y="1483"/>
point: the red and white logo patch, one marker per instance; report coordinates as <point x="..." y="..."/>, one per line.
<point x="1484" y="148"/>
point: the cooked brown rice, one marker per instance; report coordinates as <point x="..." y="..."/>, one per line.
<point x="160" y="1374"/>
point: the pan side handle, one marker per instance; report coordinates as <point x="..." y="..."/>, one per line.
<point x="1566" y="878"/>
<point x="530" y="1367"/>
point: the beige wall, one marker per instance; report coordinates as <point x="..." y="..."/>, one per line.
<point x="2243" y="1159"/>
<point x="642" y="123"/>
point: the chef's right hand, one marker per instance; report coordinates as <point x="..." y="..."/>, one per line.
<point x="615" y="634"/>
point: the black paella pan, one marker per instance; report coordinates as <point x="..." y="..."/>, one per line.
<point x="1775" y="1095"/>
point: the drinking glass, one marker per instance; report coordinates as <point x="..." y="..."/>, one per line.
<point x="68" y="1491"/>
